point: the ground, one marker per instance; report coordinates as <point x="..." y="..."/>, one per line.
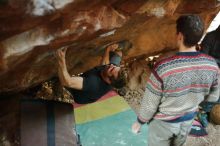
<point x="213" y="138"/>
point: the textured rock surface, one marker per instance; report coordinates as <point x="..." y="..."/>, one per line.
<point x="31" y="30"/>
<point x="215" y="114"/>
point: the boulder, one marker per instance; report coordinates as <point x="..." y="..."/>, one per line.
<point x="31" y="30"/>
<point x="215" y="114"/>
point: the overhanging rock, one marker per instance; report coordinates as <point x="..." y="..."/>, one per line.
<point x="30" y="31"/>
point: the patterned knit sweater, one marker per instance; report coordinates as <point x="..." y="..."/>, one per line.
<point x="177" y="86"/>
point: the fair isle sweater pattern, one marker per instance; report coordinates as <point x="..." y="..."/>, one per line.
<point x="178" y="84"/>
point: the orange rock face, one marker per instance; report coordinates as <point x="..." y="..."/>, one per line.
<point x="215" y="114"/>
<point x="30" y="31"/>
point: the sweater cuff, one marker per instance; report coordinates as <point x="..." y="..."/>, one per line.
<point x="140" y="122"/>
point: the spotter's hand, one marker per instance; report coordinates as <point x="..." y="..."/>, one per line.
<point x="136" y="127"/>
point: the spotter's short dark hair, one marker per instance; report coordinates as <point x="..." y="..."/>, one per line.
<point x="192" y="28"/>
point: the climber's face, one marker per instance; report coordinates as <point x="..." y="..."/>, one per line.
<point x="112" y="71"/>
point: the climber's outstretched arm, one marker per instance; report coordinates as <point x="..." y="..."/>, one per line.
<point x="65" y="78"/>
<point x="106" y="57"/>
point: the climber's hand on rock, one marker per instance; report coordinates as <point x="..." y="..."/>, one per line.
<point x="112" y="47"/>
<point x="60" y="54"/>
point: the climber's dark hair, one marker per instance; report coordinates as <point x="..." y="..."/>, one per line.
<point x="121" y="80"/>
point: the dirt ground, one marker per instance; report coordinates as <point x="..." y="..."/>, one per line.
<point x="213" y="138"/>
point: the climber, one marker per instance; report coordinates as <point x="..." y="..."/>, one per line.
<point x="94" y="83"/>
